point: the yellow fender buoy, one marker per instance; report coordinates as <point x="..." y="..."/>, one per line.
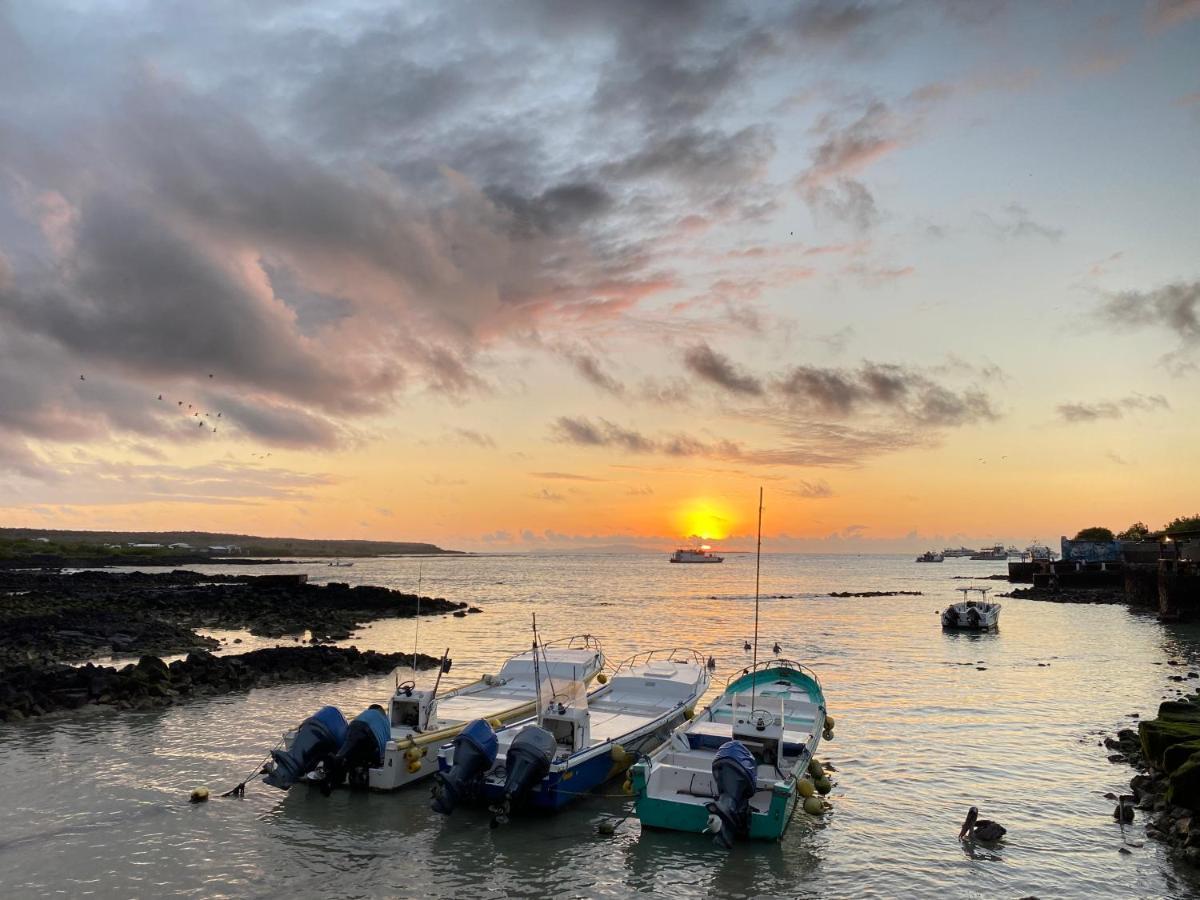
<point x="824" y="785"/>
<point x="602" y="678"/>
<point x="805" y="787"/>
<point x="627" y="786"/>
<point x="813" y="806"/>
<point x="495" y="723"/>
<point x="619" y="755"/>
<point x="199" y="795"/>
<point x="689" y="713"/>
<point x="411" y="755"/>
<point x="414" y="766"/>
<point x="829" y="723"/>
<point x="815" y="769"/>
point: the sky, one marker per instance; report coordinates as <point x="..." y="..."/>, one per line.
<point x="545" y="275"/>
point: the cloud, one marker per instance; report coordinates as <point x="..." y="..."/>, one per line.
<point x="1163" y="14"/>
<point x="588" y="366"/>
<point x="812" y="490"/>
<point x="1015" y="222"/>
<point x="1073" y="413"/>
<point x="549" y="496"/>
<point x="566" y="476"/>
<point x="475" y="438"/>
<point x="1173" y="307"/>
<point x="703" y="362"/>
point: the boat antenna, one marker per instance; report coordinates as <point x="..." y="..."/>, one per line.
<point x="441" y="672"/>
<point x="537" y="675"/>
<point x="757" y="566"/>
<point x="417" y="625"/>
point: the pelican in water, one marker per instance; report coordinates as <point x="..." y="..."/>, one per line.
<point x="746" y="646"/>
<point x="777" y="648"/>
<point x="977" y="829"/>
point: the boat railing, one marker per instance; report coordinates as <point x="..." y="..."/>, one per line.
<point x="774" y="663"/>
<point x="576" y="642"/>
<point x="667" y="654"/>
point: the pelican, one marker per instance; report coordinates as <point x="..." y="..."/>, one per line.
<point x="712" y="661"/>
<point x="977" y="829"/>
<point x="777" y="648"/>
<point x="746" y="646"/>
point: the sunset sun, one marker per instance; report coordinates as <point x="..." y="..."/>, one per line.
<point x="704" y="519"/>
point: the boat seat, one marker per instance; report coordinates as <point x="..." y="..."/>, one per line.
<point x="711" y="735"/>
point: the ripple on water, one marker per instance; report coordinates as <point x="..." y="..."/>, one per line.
<point x="98" y="805"/>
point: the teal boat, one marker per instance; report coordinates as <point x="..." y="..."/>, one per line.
<point x="739" y="769"/>
<point x="776" y="711"/>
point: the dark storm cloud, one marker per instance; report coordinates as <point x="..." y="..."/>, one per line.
<point x="702" y="361"/>
<point x="1074" y="413"/>
<point x="330" y="210"/>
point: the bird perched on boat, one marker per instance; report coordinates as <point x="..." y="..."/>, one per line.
<point x="746" y="646"/>
<point x="977" y="829"/>
<point x="777" y="648"/>
<point x="712" y="663"/>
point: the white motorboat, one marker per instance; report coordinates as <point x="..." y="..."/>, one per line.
<point x="695" y="555"/>
<point x="992" y="554"/>
<point x="930" y="557"/>
<point x="972" y="615"/>
<point x="578" y="742"/>
<point x="417" y="721"/>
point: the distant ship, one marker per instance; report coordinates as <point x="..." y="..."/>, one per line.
<point x="961" y="551"/>
<point x="694" y="555"/>
<point x="930" y="556"/>
<point x="996" y="553"/>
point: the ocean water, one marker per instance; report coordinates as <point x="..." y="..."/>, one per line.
<point x="928" y="724"/>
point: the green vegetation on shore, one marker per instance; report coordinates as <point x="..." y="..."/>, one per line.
<point x="22" y="542"/>
<point x="1139" y="531"/>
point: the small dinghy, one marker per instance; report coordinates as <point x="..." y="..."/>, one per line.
<point x="579" y="740"/>
<point x="417" y="721"/>
<point x="971" y="615"/>
<point x="732" y="771"/>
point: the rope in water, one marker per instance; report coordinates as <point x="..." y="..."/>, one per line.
<point x="239" y="789"/>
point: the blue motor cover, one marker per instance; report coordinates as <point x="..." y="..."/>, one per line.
<point x="365" y="742"/>
<point x="317" y="738"/>
<point x="735" y="772"/>
<point x="474" y="754"/>
<point x="528" y="760"/>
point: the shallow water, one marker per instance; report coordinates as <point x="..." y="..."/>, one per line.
<point x="97" y="805"/>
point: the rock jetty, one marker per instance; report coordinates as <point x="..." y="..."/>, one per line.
<point x="28" y="691"/>
<point x="49" y="617"/>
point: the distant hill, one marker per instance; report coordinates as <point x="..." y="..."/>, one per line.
<point x="246" y="544"/>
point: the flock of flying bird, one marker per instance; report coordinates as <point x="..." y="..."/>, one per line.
<point x="196" y="413"/>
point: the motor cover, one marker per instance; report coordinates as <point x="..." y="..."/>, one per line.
<point x="528" y="760"/>
<point x="362" y="749"/>
<point x="734" y="772"/>
<point x="318" y="737"/>
<point x="474" y="753"/>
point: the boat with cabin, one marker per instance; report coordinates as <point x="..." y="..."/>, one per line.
<point x="417" y="721"/>
<point x="695" y="555"/>
<point x="997" y="553"/>
<point x="579" y="740"/>
<point x="971" y="615"/>
<point x="952" y="552"/>
<point x="930" y="557"/>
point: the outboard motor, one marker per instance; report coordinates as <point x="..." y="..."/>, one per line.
<point x="363" y="747"/>
<point x="317" y="738"/>
<point x="973" y="617"/>
<point x="528" y="761"/>
<point x="950" y="617"/>
<point x="734" y="772"/>
<point x="474" y="753"/>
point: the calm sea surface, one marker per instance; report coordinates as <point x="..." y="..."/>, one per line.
<point x="927" y="724"/>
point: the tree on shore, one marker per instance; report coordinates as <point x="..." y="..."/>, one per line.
<point x="1138" y="531"/>
<point x="1095" y="533"/>
<point x="1183" y="523"/>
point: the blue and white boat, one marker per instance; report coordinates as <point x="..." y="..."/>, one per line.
<point x="577" y="742"/>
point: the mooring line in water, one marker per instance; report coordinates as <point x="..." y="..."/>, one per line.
<point x="239" y="789"/>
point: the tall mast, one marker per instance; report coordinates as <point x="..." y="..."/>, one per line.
<point x="757" y="566"/>
<point x="417" y="624"/>
<point x="537" y="675"/>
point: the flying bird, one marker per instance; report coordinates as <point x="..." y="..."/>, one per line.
<point x="81" y="378"/>
<point x="218" y="415"/>
<point x="180" y="402"/>
<point x="210" y="374"/>
<point x="160" y="396"/>
<point x="201" y="424"/>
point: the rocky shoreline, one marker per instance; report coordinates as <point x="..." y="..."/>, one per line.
<point x="50" y="617"/>
<point x="30" y="691"/>
<point x="1165" y="751"/>
<point x="1070" y="595"/>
